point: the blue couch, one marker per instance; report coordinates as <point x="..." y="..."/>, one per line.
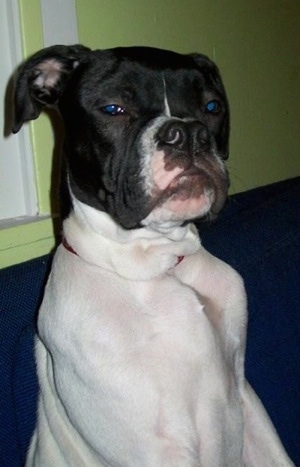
<point x="258" y="233"/>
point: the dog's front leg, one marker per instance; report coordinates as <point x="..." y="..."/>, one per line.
<point x="262" y="446"/>
<point x="222" y="292"/>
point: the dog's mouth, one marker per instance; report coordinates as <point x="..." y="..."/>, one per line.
<point x="192" y="182"/>
<point x="187" y="180"/>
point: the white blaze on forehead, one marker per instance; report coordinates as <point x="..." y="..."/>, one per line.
<point x="166" y="104"/>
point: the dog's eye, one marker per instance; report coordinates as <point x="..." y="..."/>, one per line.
<point x="113" y="109"/>
<point x="213" y="107"/>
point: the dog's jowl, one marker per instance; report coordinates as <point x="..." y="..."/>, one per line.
<point x="141" y="333"/>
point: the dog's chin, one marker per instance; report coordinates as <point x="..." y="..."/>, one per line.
<point x="178" y="209"/>
<point x="185" y="199"/>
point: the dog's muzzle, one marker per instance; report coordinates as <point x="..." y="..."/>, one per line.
<point x="184" y="176"/>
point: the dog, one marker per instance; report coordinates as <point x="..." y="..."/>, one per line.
<point x="141" y="332"/>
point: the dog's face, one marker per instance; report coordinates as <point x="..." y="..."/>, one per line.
<point x="146" y="130"/>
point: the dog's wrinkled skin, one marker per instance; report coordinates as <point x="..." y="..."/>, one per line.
<point x="140" y="353"/>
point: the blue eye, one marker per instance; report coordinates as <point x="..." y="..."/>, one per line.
<point x="113" y="109"/>
<point x="213" y="107"/>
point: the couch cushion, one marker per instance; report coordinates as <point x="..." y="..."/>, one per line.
<point x="21" y="288"/>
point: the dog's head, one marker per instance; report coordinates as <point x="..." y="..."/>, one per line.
<point x="146" y="129"/>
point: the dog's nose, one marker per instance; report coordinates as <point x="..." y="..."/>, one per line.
<point x="184" y="135"/>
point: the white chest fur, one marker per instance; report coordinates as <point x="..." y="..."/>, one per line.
<point x="145" y="370"/>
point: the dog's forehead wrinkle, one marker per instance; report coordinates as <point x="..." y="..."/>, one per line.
<point x="184" y="92"/>
<point x="132" y="82"/>
<point x="123" y="85"/>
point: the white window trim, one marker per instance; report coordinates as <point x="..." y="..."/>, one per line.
<point x="23" y="160"/>
<point x="59" y="23"/>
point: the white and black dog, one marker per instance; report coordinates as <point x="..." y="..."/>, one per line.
<point x="141" y="333"/>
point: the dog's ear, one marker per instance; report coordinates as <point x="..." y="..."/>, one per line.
<point x="204" y="62"/>
<point x="42" y="78"/>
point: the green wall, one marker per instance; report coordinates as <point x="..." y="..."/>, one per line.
<point x="256" y="44"/>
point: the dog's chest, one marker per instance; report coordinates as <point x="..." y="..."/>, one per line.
<point x="157" y="328"/>
<point x="144" y="351"/>
<point x="140" y="316"/>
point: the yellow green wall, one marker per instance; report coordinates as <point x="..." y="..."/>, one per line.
<point x="257" y="47"/>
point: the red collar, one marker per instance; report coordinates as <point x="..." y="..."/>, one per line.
<point x="179" y="259"/>
<point x="71" y="250"/>
<point x="68" y="247"/>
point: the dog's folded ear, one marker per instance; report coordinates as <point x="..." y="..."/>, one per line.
<point x="204" y="62"/>
<point x="42" y="78"/>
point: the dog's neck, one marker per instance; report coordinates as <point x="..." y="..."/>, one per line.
<point x="138" y="254"/>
